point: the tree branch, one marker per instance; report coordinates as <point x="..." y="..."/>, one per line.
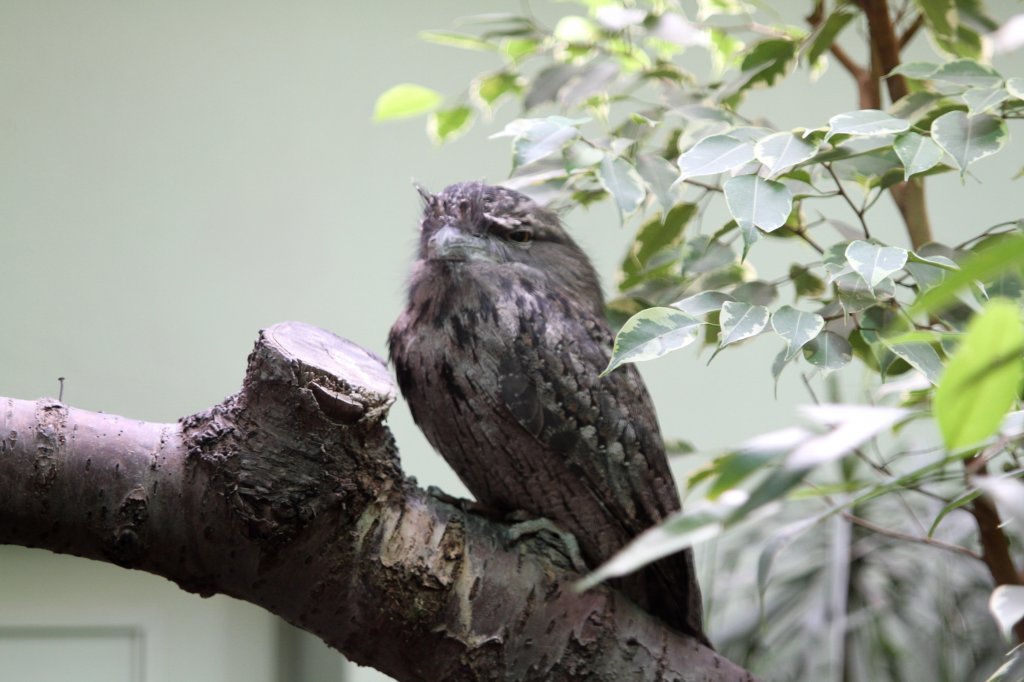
<point x="885" y="45"/>
<point x="911" y="31"/>
<point x="859" y="73"/>
<point x="995" y="546"/>
<point x="289" y="495"/>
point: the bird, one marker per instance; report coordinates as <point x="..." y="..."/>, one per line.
<point x="499" y="351"/>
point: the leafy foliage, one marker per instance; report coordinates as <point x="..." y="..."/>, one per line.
<point x="610" y="112"/>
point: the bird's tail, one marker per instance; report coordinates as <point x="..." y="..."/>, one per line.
<point x="668" y="589"/>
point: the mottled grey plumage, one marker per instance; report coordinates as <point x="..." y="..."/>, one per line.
<point x="498" y="353"/>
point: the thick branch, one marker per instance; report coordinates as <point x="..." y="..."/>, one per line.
<point x="885" y="50"/>
<point x="289" y="495"/>
<point x="886" y="43"/>
<point x="995" y="546"/>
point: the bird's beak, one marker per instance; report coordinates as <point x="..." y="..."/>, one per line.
<point x="452" y="244"/>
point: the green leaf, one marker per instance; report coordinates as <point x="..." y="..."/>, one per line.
<point x="968" y="138"/>
<point x="942" y="19"/>
<point x="796" y="327"/>
<point x="756" y="202"/>
<point x="981" y="266"/>
<point x="829" y="351"/>
<point x="856" y="295"/>
<point x="968" y="73"/>
<point x="782" y="151"/>
<point x="733" y="468"/>
<point x="725" y="50"/>
<point x="874" y="263"/>
<point x="931" y="271"/>
<point x="940" y="16"/>
<point x="1007" y="606"/>
<point x="576" y="29"/>
<point x="490" y="89"/>
<point x="446" y="124"/>
<point x="404" y="101"/>
<point x="980" y="100"/>
<point x="703" y="303"/>
<point x="656" y="235"/>
<point x="849" y="426"/>
<point x="652" y="333"/>
<point x="517" y="48"/>
<point x="805" y="282"/>
<point x="741" y="321"/>
<point x="462" y="41"/>
<point x="623" y="182"/>
<point x="775" y="544"/>
<point x="766" y="62"/>
<point x="917" y="153"/>
<point x="1015" y="86"/>
<point x="592" y="79"/>
<point x="983" y="377"/>
<point x="546" y="84"/>
<point x="920" y="356"/>
<point x="866" y="123"/>
<point x="715" y="154"/>
<point x="659" y="175"/>
<point x="915" y="70"/>
<point x="826" y="34"/>
<point x="757" y="292"/>
<point x="536" y="138"/>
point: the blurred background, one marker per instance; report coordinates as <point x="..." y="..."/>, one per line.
<point x="176" y="176"/>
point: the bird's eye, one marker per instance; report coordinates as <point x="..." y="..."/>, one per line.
<point x="521" y="236"/>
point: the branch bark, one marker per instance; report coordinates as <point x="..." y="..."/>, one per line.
<point x="885" y="49"/>
<point x="290" y="495"/>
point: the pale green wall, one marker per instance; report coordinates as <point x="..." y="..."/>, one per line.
<point x="174" y="176"/>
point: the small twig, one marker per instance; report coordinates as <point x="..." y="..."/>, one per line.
<point x="906" y="537"/>
<point x="802" y="233"/>
<point x="990" y="231"/>
<point x="60" y="391"/>
<point x="810" y="389"/>
<point x="911" y="31"/>
<point x="703" y="185"/>
<point x="849" y="201"/>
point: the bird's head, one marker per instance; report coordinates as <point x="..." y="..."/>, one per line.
<point x="473" y="223"/>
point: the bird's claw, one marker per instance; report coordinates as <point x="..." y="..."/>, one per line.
<point x="545" y="530"/>
<point x="464" y="504"/>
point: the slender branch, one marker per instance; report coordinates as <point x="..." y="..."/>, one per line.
<point x="911" y="31"/>
<point x="847" y="62"/>
<point x="920" y="539"/>
<point x="802" y="233"/>
<point x="703" y="185"/>
<point x="849" y="201"/>
<point x="859" y="73"/>
<point x="989" y="232"/>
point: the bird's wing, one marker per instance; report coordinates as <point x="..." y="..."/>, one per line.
<point x="605" y="428"/>
<point x="606" y="431"/>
